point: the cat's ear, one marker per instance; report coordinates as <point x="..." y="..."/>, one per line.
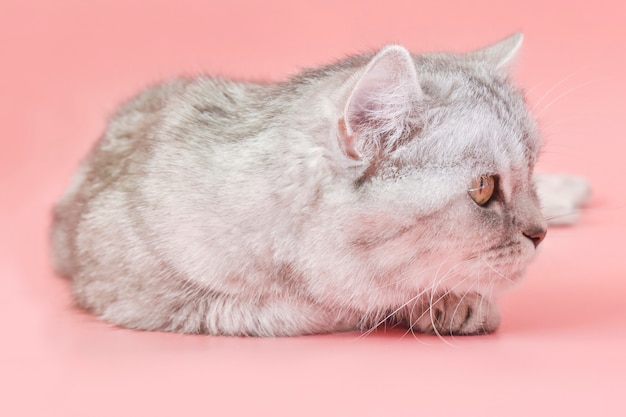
<point x="380" y="105"/>
<point x="501" y="54"/>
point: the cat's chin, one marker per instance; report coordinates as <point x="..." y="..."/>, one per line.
<point x="512" y="279"/>
<point x="491" y="281"/>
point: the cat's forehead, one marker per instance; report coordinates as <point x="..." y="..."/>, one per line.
<point x="477" y="115"/>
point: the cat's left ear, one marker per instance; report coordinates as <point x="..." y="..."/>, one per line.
<point x="501" y="54"/>
<point x="378" y="110"/>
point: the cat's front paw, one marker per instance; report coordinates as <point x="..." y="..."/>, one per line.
<point x="561" y="197"/>
<point x="452" y="314"/>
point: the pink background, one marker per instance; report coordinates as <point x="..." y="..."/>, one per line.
<point x="561" y="349"/>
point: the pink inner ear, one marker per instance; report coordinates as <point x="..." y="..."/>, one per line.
<point x="381" y="102"/>
<point x="378" y="89"/>
<point x="347" y="140"/>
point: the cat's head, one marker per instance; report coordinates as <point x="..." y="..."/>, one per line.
<point x="441" y="150"/>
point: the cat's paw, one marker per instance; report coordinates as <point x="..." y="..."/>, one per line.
<point x="562" y="197"/>
<point x="452" y="314"/>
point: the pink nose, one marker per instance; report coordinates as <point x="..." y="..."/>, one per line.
<point x="536" y="235"/>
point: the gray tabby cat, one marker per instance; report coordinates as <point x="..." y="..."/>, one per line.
<point x="387" y="187"/>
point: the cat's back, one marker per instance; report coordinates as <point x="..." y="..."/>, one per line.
<point x="185" y="107"/>
<point x="185" y="115"/>
<point x="170" y="114"/>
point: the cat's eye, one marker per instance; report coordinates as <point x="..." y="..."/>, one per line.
<point x="482" y="188"/>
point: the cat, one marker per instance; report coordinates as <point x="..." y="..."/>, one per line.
<point x="384" y="188"/>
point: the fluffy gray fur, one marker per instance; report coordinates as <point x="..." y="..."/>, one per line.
<point x="334" y="201"/>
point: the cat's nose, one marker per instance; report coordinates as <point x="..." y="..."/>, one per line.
<point x="536" y="234"/>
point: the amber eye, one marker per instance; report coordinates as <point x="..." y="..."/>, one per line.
<point x="482" y="188"/>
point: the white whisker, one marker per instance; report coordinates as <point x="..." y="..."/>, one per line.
<point x="565" y="93"/>
<point x="500" y="274"/>
<point x="551" y="89"/>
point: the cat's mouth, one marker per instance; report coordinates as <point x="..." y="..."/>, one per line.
<point x="501" y="265"/>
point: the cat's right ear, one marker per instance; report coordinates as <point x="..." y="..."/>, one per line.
<point x="378" y="112"/>
<point x="501" y="54"/>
